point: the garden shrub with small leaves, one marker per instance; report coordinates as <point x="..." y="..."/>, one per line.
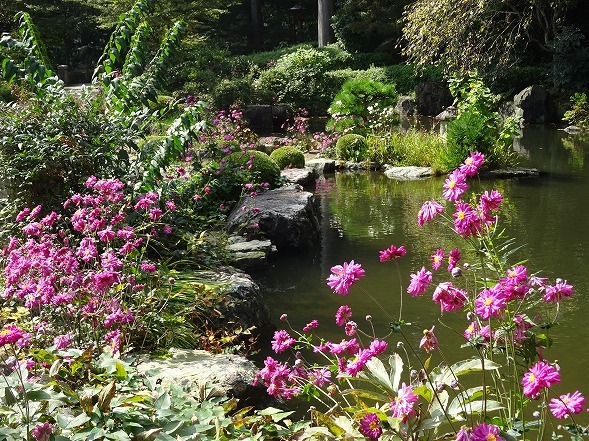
<point x="288" y="157"/>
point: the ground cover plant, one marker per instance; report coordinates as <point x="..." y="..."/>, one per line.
<point x="386" y="384"/>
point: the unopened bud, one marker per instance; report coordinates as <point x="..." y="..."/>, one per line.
<point x="283" y="317"/>
<point x="400" y="344"/>
<point x="456" y="272"/>
<point x="368" y="318"/>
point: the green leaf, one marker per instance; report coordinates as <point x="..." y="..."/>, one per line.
<point x="326" y="421"/>
<point x="396" y="364"/>
<point x="163" y="402"/>
<point x="379" y="373"/>
<point x="67" y="422"/>
<point x="449" y="374"/>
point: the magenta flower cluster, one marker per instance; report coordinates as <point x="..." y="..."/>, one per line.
<point x="78" y="273"/>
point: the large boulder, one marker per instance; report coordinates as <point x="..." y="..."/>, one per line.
<point x="406" y="106"/>
<point x="534" y="105"/>
<point x="431" y="98"/>
<point x="229" y="375"/>
<point x="244" y="305"/>
<point x="287" y="216"/>
<point x="305" y="177"/>
<point x="265" y="119"/>
<point x="321" y="165"/>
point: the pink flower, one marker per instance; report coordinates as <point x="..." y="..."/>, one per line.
<point x="12" y="334"/>
<point x="539" y="376"/>
<point x="402" y="406"/>
<point x="370" y="426"/>
<point x="449" y="297"/>
<point x="42" y="431"/>
<point x="155" y="214"/>
<point x="437" y="259"/>
<point x="466" y="220"/>
<point x="170" y="205"/>
<point x="429" y="342"/>
<point x="63" y="341"/>
<point x="419" y="282"/>
<point x="490" y="303"/>
<point x="428" y="211"/>
<point x="471" y="165"/>
<point x="343" y="277"/>
<point x="554" y="294"/>
<point x="392" y="252"/>
<point x="485" y="432"/>
<point x="454" y="186"/>
<point x="377" y="346"/>
<point x="567" y="405"/>
<point x="148" y="267"/>
<point x="351" y="328"/>
<point x="343" y="314"/>
<point x="282" y="341"/>
<point x="490" y="201"/>
<point x="312" y="325"/>
<point x="453" y="259"/>
<point x="106" y="235"/>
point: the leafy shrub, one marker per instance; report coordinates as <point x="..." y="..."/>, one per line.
<point x="6" y="94"/>
<point x="231" y="91"/>
<point x="256" y="165"/>
<point x="298" y="78"/>
<point x="351" y="147"/>
<point x="48" y="148"/>
<point x="288" y="156"/>
<point x="467" y="133"/>
<point x="353" y="101"/>
<point x="578" y="114"/>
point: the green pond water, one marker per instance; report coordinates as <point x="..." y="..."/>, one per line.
<point x="365" y="213"/>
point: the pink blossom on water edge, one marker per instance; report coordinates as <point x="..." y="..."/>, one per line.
<point x="555" y="293"/>
<point x="538" y="377"/>
<point x="449" y="297"/>
<point x="343" y="314"/>
<point x="437" y="258"/>
<point x="471" y="165"/>
<point x="392" y="252"/>
<point x="490" y="303"/>
<point x="490" y="201"/>
<point x="453" y="258"/>
<point x="419" y="282"/>
<point x="567" y="405"/>
<point x="344" y="276"/>
<point x="282" y="341"/>
<point x="428" y="211"/>
<point x="429" y="342"/>
<point x="454" y="186"/>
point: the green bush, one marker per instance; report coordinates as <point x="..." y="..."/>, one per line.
<point x="232" y="91"/>
<point x="469" y="132"/>
<point x="5" y="92"/>
<point x="288" y="156"/>
<point x="256" y="165"/>
<point x="578" y="114"/>
<point x="351" y="147"/>
<point x="352" y="103"/>
<point x="299" y="79"/>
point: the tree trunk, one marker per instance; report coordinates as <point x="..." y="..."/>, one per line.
<point x="325" y="33"/>
<point x="256" y="11"/>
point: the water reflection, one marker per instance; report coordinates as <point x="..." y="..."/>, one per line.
<point x="365" y="213"/>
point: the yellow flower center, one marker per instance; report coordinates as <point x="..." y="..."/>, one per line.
<point x="452" y="184"/>
<point x="468" y="161"/>
<point x="531" y="378"/>
<point x="488" y="301"/>
<point x="460" y="215"/>
<point x="491" y="437"/>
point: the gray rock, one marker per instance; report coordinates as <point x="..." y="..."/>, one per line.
<point x="305" y="177"/>
<point x="357" y="166"/>
<point x="287" y="216"/>
<point x="245" y="305"/>
<point x="321" y="165"/>
<point x="260" y="118"/>
<point x="230" y="375"/>
<point x="431" y="98"/>
<point x="406" y="106"/>
<point x="250" y="255"/>
<point x="516" y="172"/>
<point x="448" y="114"/>
<point x="534" y="105"/>
<point x="408" y="173"/>
<point x="573" y="129"/>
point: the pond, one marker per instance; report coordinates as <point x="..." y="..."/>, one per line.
<point x="365" y="213"/>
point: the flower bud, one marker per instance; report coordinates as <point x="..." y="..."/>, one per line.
<point x="400" y="344"/>
<point x="283" y="317"/>
<point x="536" y="414"/>
<point x="456" y="272"/>
<point x="368" y="318"/>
